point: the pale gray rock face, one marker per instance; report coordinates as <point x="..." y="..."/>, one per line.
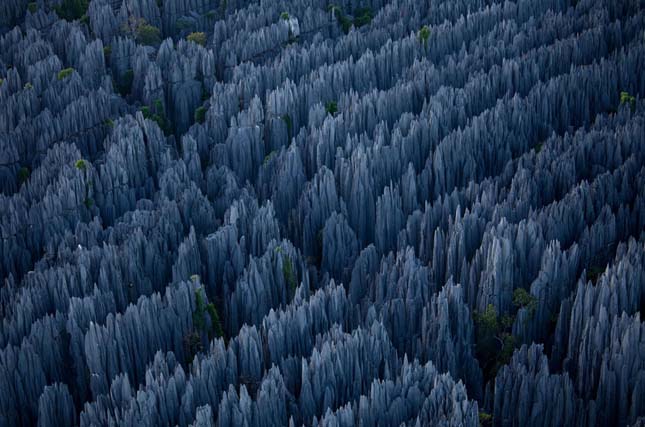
<point x="376" y="213"/>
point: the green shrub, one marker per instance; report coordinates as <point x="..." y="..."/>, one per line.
<point x="205" y="94"/>
<point x="200" y="115"/>
<point x="199" y="38"/>
<point x="148" y="34"/>
<point x="211" y="14"/>
<point x="216" y="325"/>
<point x="362" y="16"/>
<point x="164" y="125"/>
<point x="331" y="107"/>
<point x="183" y="24"/>
<point x="494" y="342"/>
<point x="626" y="98"/>
<point x="539" y="147"/>
<point x="522" y="298"/>
<point x="124" y="86"/>
<point x="80" y="165"/>
<point x="285" y="16"/>
<point x="23" y="174"/>
<point x="71" y="10"/>
<point x="63" y="74"/>
<point x="109" y="123"/>
<point x="107" y="52"/>
<point x="33" y="7"/>
<point x="289" y="276"/>
<point x="485" y="420"/>
<point x="424" y="35"/>
<point x="267" y="159"/>
<point x="28" y="86"/>
<point x="1" y="82"/>
<point x="88" y="202"/>
<point x="287" y="119"/>
<point x="158" y="104"/>
<point x="344" y="21"/>
<point x="594" y="272"/>
<point x="199" y="316"/>
<point x="145" y="110"/>
<point x="156" y="114"/>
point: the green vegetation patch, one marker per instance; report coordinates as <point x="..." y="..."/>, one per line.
<point x="626" y="98"/>
<point x="81" y="165"/>
<point x="287" y="119"/>
<point x="485" y="420"/>
<point x="107" y="52"/>
<point x="124" y="86"/>
<point x="424" y="35"/>
<point x="63" y="74"/>
<point x="198" y="37"/>
<point x="200" y="114"/>
<point x="157" y="114"/>
<point x="214" y="327"/>
<point x="71" y="10"/>
<point x="147" y="34"/>
<point x="362" y="16"/>
<point x="331" y="108"/>
<point x="523" y="299"/>
<point x="23" y="174"/>
<point x="289" y="275"/>
<point x="494" y="342"/>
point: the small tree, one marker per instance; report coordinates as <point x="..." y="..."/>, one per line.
<point x="199" y="38"/>
<point x="485" y="420"/>
<point x="148" y="34"/>
<point x="523" y="299"/>
<point x="626" y="98"/>
<point x="424" y="35"/>
<point x="124" y="85"/>
<point x="331" y="107"/>
<point x="268" y="157"/>
<point x="495" y="344"/>
<point x="285" y="16"/>
<point x="200" y="114"/>
<point x="71" y="10"/>
<point x="289" y="276"/>
<point x="32" y="7"/>
<point x="107" y="52"/>
<point x="199" y="315"/>
<point x="23" y="174"/>
<point x="287" y="119"/>
<point x="81" y="165"/>
<point x="142" y="31"/>
<point x="362" y="16"/>
<point x="63" y="74"/>
<point x="344" y="22"/>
